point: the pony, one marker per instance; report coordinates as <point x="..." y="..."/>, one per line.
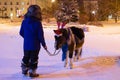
<point x="74" y="38"/>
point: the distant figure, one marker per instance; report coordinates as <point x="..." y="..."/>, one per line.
<point x="33" y="35"/>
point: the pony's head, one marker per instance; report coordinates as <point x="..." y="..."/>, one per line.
<point x="60" y="38"/>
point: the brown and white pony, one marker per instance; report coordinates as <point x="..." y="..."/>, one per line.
<point x="74" y="38"/>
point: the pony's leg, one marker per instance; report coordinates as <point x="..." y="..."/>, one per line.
<point x="79" y="53"/>
<point x="66" y="60"/>
<point x="71" y="61"/>
<point x="75" y="56"/>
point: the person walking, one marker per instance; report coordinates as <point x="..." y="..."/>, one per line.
<point x="32" y="32"/>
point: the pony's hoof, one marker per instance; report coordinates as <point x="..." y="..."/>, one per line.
<point x="71" y="66"/>
<point x="78" y="58"/>
<point x="75" y="60"/>
<point x="65" y="65"/>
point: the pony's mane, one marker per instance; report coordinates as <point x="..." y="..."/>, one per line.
<point x="65" y="32"/>
<point x="78" y="32"/>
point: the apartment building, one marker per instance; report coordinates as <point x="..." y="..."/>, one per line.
<point x="14" y="8"/>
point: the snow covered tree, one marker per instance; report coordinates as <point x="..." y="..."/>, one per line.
<point x="69" y="8"/>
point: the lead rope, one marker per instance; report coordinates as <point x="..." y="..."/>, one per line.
<point x="54" y="54"/>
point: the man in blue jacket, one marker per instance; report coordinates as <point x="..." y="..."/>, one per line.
<point x="33" y="35"/>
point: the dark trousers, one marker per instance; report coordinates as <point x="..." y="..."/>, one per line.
<point x="30" y="59"/>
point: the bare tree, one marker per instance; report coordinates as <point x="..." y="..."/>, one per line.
<point x="108" y="7"/>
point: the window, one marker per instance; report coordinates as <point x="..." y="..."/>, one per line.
<point x="22" y="3"/>
<point x="5" y="9"/>
<point x="28" y="3"/>
<point x="17" y="3"/>
<point x="10" y="3"/>
<point x="5" y="3"/>
<point x="5" y="14"/>
<point x="16" y="8"/>
<point x="11" y="9"/>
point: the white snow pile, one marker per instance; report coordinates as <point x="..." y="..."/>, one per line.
<point x="99" y="60"/>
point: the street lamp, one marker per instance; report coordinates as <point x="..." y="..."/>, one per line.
<point x="52" y="1"/>
<point x="11" y="17"/>
<point x="93" y="12"/>
<point x="94" y="15"/>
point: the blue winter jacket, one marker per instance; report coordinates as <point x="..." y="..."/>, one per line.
<point x="32" y="32"/>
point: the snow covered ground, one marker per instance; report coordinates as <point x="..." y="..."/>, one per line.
<point x="99" y="60"/>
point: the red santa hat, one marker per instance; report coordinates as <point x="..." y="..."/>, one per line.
<point x="58" y="32"/>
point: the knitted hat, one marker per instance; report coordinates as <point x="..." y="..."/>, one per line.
<point x="34" y="11"/>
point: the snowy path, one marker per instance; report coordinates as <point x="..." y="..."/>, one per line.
<point x="98" y="61"/>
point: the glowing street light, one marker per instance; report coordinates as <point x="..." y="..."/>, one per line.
<point x="11" y="17"/>
<point x="52" y="1"/>
<point x="93" y="12"/>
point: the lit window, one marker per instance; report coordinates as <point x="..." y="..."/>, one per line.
<point x="22" y="3"/>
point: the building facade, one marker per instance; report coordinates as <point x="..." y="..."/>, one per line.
<point x="14" y="8"/>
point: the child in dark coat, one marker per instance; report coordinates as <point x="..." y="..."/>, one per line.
<point x="33" y="35"/>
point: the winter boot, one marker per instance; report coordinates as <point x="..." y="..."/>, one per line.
<point x="32" y="73"/>
<point x="24" y="68"/>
